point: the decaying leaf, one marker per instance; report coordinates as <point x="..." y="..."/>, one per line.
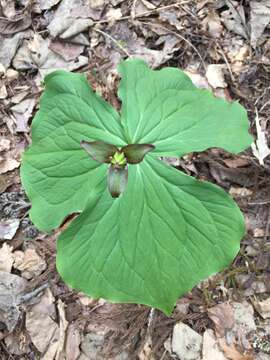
<point x="260" y="147"/>
<point x="29" y="263"/>
<point x="186" y="343"/>
<point x="234" y="18"/>
<point x="263" y="308"/>
<point x="73" y="341"/>
<point x="215" y="75"/>
<point x="211" y="350"/>
<point x="15" y="25"/>
<point x="12" y="288"/>
<point x="22" y="113"/>
<point x="8" y="228"/>
<point x="42" y="335"/>
<point x="35" y="54"/>
<point x="259" y="19"/>
<point x="223" y="317"/>
<point x="6" y="258"/>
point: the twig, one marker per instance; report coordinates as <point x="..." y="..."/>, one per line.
<point x="146" y="13"/>
<point x="180" y="37"/>
<point x="227" y="63"/>
<point x="113" y="40"/>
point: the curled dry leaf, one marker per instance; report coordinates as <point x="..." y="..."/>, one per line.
<point x="260" y="147"/>
<point x="29" y="263"/>
<point x="6" y="258"/>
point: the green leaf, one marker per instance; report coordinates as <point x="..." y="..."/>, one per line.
<point x="57" y="174"/>
<point x="164" y="109"/>
<point x="166" y="232"/>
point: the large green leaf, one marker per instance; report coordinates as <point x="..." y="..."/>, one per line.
<point x="163" y="108"/>
<point x="56" y="172"/>
<point x="165" y="233"/>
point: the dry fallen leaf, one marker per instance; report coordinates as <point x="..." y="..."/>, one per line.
<point x="223" y="318"/>
<point x="73" y="343"/>
<point x="186" y="343"/>
<point x="22" y="113"/>
<point x="215" y="75"/>
<point x="11" y="290"/>
<point x="29" y="263"/>
<point x="6" y="258"/>
<point x="259" y="19"/>
<point x="8" y="228"/>
<point x="260" y="147"/>
<point x="4" y="144"/>
<point x="211" y="350"/>
<point x="40" y="325"/>
<point x="263" y="308"/>
<point x="234" y="18"/>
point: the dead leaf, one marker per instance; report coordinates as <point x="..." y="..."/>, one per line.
<point x="4" y="144"/>
<point x="231" y="351"/>
<point x="73" y="343"/>
<point x="8" y="48"/>
<point x="71" y="18"/>
<point x="223" y="317"/>
<point x="6" y="258"/>
<point x="8" y="228"/>
<point x="259" y="19"/>
<point x="263" y="308"/>
<point x="211" y="350"/>
<point x="236" y="163"/>
<point x="260" y="147"/>
<point x="8" y="164"/>
<point x="212" y="24"/>
<point x="238" y="192"/>
<point x="3" y="91"/>
<point x="186" y="343"/>
<point x="15" y="25"/>
<point x="35" y="54"/>
<point x="63" y="324"/>
<point x="47" y="4"/>
<point x="18" y="343"/>
<point x="11" y="290"/>
<point x="22" y="113"/>
<point x="41" y="329"/>
<point x="215" y="75"/>
<point x="8" y="8"/>
<point x="29" y="263"/>
<point x="66" y="50"/>
<point x="40" y="325"/>
<point x="234" y="18"/>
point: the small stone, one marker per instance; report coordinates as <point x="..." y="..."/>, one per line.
<point x="12" y="74"/>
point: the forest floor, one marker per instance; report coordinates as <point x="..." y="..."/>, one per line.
<point x="223" y="45"/>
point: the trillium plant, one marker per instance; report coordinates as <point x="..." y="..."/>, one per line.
<point x="146" y="232"/>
